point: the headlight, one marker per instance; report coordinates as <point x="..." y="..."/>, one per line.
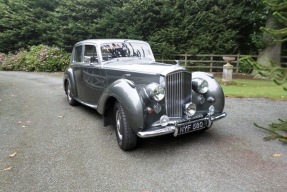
<point x="200" y="85"/>
<point x="155" y="92"/>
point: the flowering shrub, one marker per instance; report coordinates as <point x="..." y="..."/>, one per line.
<point x="2" y="57"/>
<point x="36" y="58"/>
<point x="13" y="62"/>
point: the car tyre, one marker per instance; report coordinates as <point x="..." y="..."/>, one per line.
<point x="126" y="137"/>
<point x="70" y="97"/>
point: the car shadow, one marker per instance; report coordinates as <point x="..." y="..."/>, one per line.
<point x="168" y="142"/>
<point x="160" y="143"/>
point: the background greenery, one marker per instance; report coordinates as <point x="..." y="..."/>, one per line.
<point x="35" y="58"/>
<point x="253" y="88"/>
<point x="171" y="26"/>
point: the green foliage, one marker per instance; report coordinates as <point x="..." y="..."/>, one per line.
<point x="14" y="62"/>
<point x="257" y="41"/>
<point x="245" y="67"/>
<point x="279" y="9"/>
<point x="277" y="130"/>
<point x="37" y="58"/>
<point x="178" y="26"/>
<point x="25" y="23"/>
<point x="279" y="76"/>
<point x="2" y="58"/>
<point x="206" y="26"/>
<point x="276" y="72"/>
<point x="253" y="88"/>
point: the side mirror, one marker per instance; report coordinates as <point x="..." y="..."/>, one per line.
<point x="93" y="60"/>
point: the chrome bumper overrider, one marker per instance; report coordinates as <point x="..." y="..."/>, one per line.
<point x="173" y="128"/>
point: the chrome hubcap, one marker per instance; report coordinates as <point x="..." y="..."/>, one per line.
<point x="118" y="124"/>
<point x="69" y="92"/>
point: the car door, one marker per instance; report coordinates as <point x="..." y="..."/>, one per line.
<point x="92" y="75"/>
<point x="77" y="63"/>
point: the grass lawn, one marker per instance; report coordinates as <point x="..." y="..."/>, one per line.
<point x="254" y="88"/>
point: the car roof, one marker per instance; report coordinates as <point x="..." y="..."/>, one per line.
<point x="100" y="41"/>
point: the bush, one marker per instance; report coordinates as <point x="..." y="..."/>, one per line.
<point x="14" y="62"/>
<point x="36" y="58"/>
<point x="2" y="59"/>
<point x="245" y="67"/>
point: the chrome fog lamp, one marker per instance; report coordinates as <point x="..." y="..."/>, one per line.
<point x="155" y="91"/>
<point x="200" y="85"/>
<point x="190" y="109"/>
<point x="211" y="110"/>
<point x="164" y="120"/>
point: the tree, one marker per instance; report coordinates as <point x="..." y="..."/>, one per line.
<point x="253" y="16"/>
<point x="171" y="26"/>
<point x="275" y="71"/>
<point x="182" y="26"/>
<point x="279" y="76"/>
<point x="280" y="14"/>
<point x="24" y="23"/>
<point x="274" y="32"/>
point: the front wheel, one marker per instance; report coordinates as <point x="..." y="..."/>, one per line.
<point x="126" y="137"/>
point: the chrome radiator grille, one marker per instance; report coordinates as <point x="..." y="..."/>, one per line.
<point x="178" y="92"/>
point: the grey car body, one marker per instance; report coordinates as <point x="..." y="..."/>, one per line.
<point x="139" y="96"/>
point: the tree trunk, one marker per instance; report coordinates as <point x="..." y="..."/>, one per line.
<point x="272" y="50"/>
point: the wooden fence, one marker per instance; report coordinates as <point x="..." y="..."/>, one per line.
<point x="208" y="62"/>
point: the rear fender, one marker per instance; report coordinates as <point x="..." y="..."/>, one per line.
<point x="69" y="76"/>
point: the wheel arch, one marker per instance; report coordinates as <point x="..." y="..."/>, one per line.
<point x="69" y="77"/>
<point x="126" y="94"/>
<point x="108" y="111"/>
<point x="215" y="90"/>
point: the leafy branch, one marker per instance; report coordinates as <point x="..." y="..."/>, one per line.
<point x="277" y="73"/>
<point x="277" y="130"/>
<point x="279" y="76"/>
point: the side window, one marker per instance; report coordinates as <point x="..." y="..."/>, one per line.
<point x="78" y="54"/>
<point x="90" y="54"/>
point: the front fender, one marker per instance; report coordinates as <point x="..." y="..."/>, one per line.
<point x="126" y="93"/>
<point x="214" y="91"/>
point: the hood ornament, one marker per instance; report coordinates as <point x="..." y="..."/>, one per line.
<point x="177" y="62"/>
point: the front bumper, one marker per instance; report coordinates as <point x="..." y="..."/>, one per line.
<point x="172" y="126"/>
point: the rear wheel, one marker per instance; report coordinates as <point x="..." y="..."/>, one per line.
<point x="126" y="137"/>
<point x="70" y="97"/>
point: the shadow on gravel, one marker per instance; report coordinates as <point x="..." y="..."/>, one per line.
<point x="158" y="144"/>
<point x="169" y="142"/>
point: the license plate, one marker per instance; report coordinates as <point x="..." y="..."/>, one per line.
<point x="190" y="127"/>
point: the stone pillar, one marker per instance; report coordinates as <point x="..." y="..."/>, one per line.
<point x="227" y="70"/>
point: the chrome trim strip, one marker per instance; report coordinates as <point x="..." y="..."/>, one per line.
<point x="218" y="117"/>
<point x="163" y="131"/>
<point x="86" y="104"/>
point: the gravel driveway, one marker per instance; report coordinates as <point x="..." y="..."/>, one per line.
<point x="47" y="145"/>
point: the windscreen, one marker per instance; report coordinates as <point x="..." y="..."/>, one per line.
<point x="126" y="50"/>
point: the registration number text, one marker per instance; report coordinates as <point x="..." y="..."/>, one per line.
<point x="190" y="127"/>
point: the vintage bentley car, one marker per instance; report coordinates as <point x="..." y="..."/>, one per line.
<point x="137" y="95"/>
